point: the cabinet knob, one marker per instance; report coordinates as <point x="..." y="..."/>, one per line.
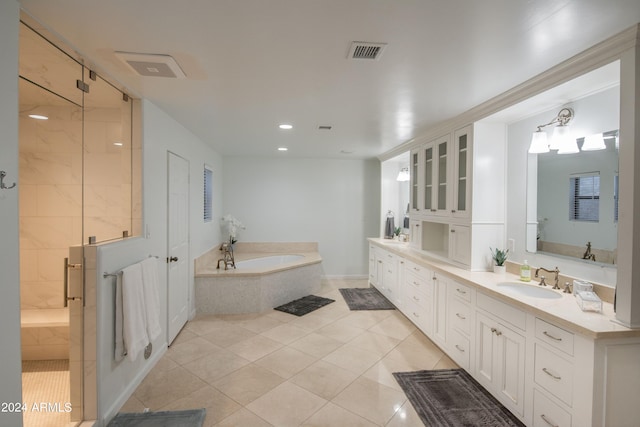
<point x="453" y="211"/>
<point x="460" y="316"/>
<point x="551" y="336"/>
<point x="453" y="231"/>
<point x="459" y="348"/>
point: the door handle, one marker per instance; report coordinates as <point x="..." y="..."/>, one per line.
<point x="172" y="259"/>
<point x="68" y="266"/>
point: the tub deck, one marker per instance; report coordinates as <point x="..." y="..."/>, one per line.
<point x="255" y="290"/>
<point x="205" y="265"/>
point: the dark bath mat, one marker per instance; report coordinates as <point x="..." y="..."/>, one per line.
<point x="365" y="299"/>
<point x="452" y="398"/>
<point x="304" y="305"/>
<point x="189" y="418"/>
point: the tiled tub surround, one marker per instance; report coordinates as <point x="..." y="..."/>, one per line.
<point x="45" y="334"/>
<point x="542" y="358"/>
<point x="257" y="289"/>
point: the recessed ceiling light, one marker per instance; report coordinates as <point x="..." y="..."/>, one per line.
<point x="283" y="149"/>
<point x="285" y="126"/>
<point x="38" y="117"/>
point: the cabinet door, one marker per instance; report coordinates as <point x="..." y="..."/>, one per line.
<point x="500" y="362"/>
<point x="460" y="243"/>
<point x="415" y="234"/>
<point x="389" y="275"/>
<point x="440" y="310"/>
<point x="428" y="178"/>
<point x="441" y="172"/>
<point x="417" y="177"/>
<point x="373" y="269"/>
<point x="462" y="163"/>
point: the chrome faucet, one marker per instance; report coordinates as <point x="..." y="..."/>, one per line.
<point x="556" y="271"/>
<point x="587" y="254"/>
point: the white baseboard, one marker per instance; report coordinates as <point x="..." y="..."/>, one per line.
<point x="345" y="277"/>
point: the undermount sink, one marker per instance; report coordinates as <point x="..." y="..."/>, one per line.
<point x="532" y="291"/>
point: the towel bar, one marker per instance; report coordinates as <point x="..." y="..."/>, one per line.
<point x="105" y="274"/>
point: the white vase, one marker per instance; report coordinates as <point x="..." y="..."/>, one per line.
<point x="499" y="269"/>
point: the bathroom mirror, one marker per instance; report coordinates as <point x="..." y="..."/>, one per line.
<point x="577" y="198"/>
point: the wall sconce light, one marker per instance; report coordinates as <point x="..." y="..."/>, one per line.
<point x="561" y="139"/>
<point x="403" y="175"/>
<point x="594" y="142"/>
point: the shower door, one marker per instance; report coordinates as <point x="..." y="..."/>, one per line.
<point x="51" y="186"/>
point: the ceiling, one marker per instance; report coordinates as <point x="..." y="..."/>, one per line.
<point x="251" y="65"/>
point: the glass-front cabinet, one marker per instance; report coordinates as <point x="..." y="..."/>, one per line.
<point x="461" y="199"/>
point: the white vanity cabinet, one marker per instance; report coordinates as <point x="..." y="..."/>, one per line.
<point x="461" y="323"/>
<point x="418" y="296"/>
<point x="500" y="352"/>
<point x="385" y="275"/>
<point x="565" y="374"/>
<point x="374" y="270"/>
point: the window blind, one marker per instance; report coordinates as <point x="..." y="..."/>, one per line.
<point x="208" y="194"/>
<point x="584" y="200"/>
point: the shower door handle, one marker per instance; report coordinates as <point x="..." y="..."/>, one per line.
<point x="68" y="266"/>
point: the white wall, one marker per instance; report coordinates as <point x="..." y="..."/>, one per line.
<point x="10" y="368"/>
<point x="330" y="201"/>
<point x="160" y="134"/>
<point x="596" y="113"/>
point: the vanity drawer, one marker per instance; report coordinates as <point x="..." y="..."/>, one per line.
<point x="419" y="315"/>
<point x="461" y="291"/>
<point x="504" y="311"/>
<point x="460" y="316"/>
<point x="418" y="270"/>
<point x="418" y="296"/>
<point x="419" y="283"/>
<point x="554" y="373"/>
<point x="554" y="336"/>
<point x="546" y="413"/>
<point x="459" y="349"/>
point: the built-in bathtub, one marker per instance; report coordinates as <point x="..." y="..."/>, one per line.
<point x="266" y="275"/>
<point x="45" y="333"/>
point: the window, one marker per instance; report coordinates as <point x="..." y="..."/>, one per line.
<point x="584" y="200"/>
<point x="208" y="194"/>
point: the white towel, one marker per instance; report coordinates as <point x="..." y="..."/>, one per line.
<point x="133" y="311"/>
<point x="152" y="299"/>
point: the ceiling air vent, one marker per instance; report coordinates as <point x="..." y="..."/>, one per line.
<point x="152" y="65"/>
<point x="366" y="50"/>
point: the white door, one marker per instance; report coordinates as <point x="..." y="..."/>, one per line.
<point x="178" y="244"/>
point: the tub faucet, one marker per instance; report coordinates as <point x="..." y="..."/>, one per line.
<point x="556" y="271"/>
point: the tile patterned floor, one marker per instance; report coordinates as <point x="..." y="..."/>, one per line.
<point x="331" y="367"/>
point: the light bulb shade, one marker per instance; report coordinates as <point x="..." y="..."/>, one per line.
<point x="563" y="141"/>
<point x="403" y="175"/>
<point x="594" y="142"/>
<point x="539" y="143"/>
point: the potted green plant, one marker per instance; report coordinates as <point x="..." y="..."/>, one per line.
<point x="499" y="257"/>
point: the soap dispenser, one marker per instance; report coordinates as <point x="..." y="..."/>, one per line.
<point x="525" y="272"/>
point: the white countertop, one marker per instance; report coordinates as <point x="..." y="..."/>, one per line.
<point x="563" y="311"/>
